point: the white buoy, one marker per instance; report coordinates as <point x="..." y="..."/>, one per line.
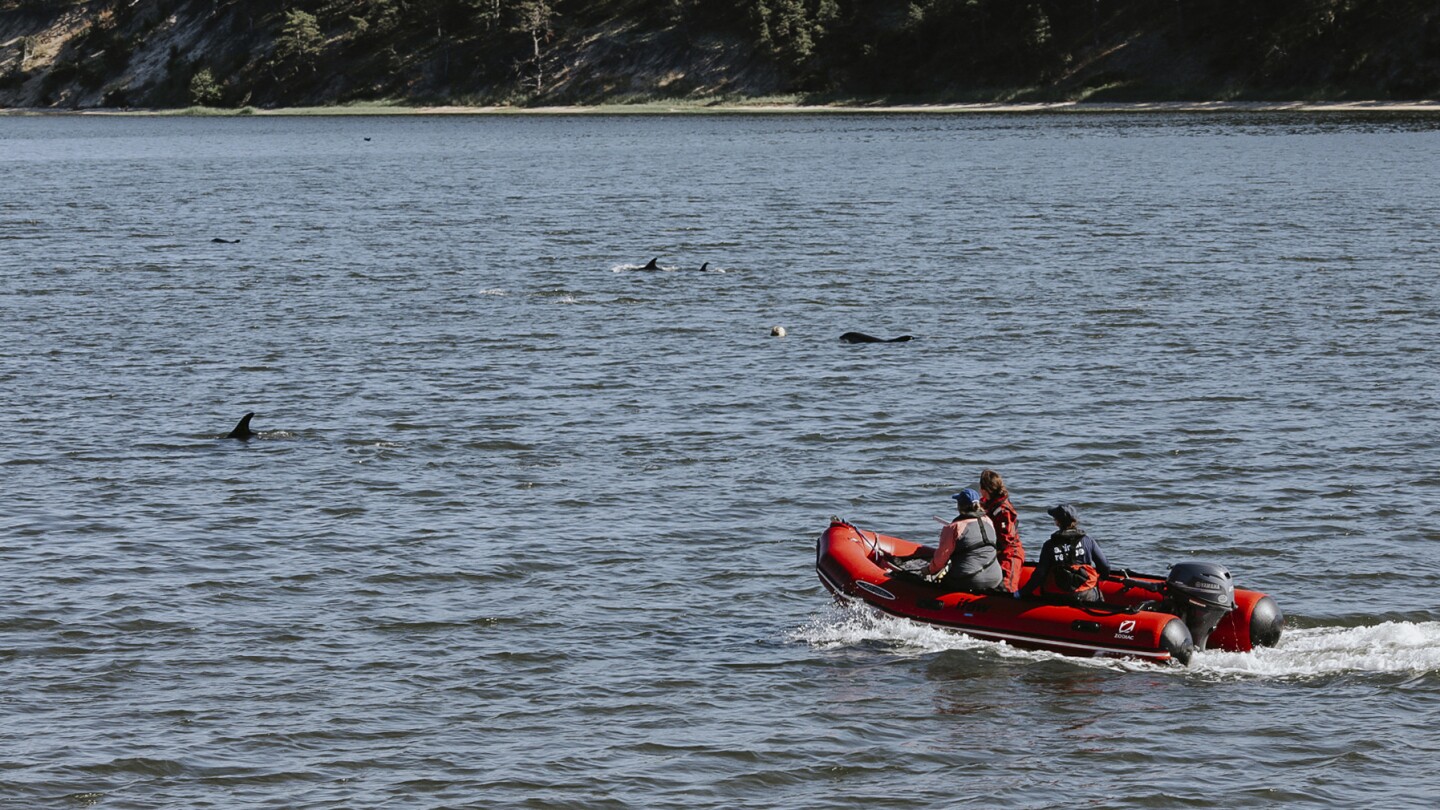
<point x="777" y="331"/>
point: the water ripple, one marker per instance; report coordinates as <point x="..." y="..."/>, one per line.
<point x="528" y="525"/>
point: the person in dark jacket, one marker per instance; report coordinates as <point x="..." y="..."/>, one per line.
<point x="1071" y="563"/>
<point x="966" y="558"/>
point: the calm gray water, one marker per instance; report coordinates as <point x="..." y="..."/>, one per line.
<point x="528" y="526"/>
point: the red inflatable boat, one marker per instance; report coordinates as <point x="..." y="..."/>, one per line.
<point x="1142" y="616"/>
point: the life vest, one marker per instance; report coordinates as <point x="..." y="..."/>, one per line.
<point x="1069" y="574"/>
<point x="963" y="549"/>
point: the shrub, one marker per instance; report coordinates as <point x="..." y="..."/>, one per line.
<point x="204" y="90"/>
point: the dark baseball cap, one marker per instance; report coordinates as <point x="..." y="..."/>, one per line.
<point x="1065" y="513"/>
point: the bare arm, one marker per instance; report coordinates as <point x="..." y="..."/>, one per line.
<point x="945" y="550"/>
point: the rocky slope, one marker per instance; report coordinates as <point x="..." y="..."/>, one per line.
<point x="269" y="53"/>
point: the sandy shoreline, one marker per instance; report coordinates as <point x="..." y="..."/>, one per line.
<point x="763" y="108"/>
<point x="997" y="107"/>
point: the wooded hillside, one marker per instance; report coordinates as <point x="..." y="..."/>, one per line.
<point x="175" y="53"/>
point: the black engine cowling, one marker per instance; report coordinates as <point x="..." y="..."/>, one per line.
<point x="1201" y="594"/>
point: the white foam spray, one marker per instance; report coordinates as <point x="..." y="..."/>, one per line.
<point x="1388" y="647"/>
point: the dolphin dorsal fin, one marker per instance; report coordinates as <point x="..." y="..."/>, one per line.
<point x="653" y="264"/>
<point x="242" y="428"/>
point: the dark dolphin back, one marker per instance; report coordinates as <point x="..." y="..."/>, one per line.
<point x="861" y="337"/>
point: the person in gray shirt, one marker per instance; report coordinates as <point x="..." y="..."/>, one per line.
<point x="966" y="558"/>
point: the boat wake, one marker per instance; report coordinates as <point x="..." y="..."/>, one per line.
<point x="1411" y="648"/>
<point x="842" y="627"/>
<point x="1389" y="647"/>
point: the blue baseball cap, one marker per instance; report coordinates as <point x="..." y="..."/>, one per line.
<point x="966" y="496"/>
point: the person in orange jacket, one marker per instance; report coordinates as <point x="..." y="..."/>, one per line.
<point x="995" y="502"/>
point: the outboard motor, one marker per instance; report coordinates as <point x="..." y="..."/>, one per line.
<point x="1201" y="594"/>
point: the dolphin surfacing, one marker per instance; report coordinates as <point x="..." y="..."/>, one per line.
<point x="652" y="265"/>
<point x="861" y="337"/>
<point x="242" y="429"/>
